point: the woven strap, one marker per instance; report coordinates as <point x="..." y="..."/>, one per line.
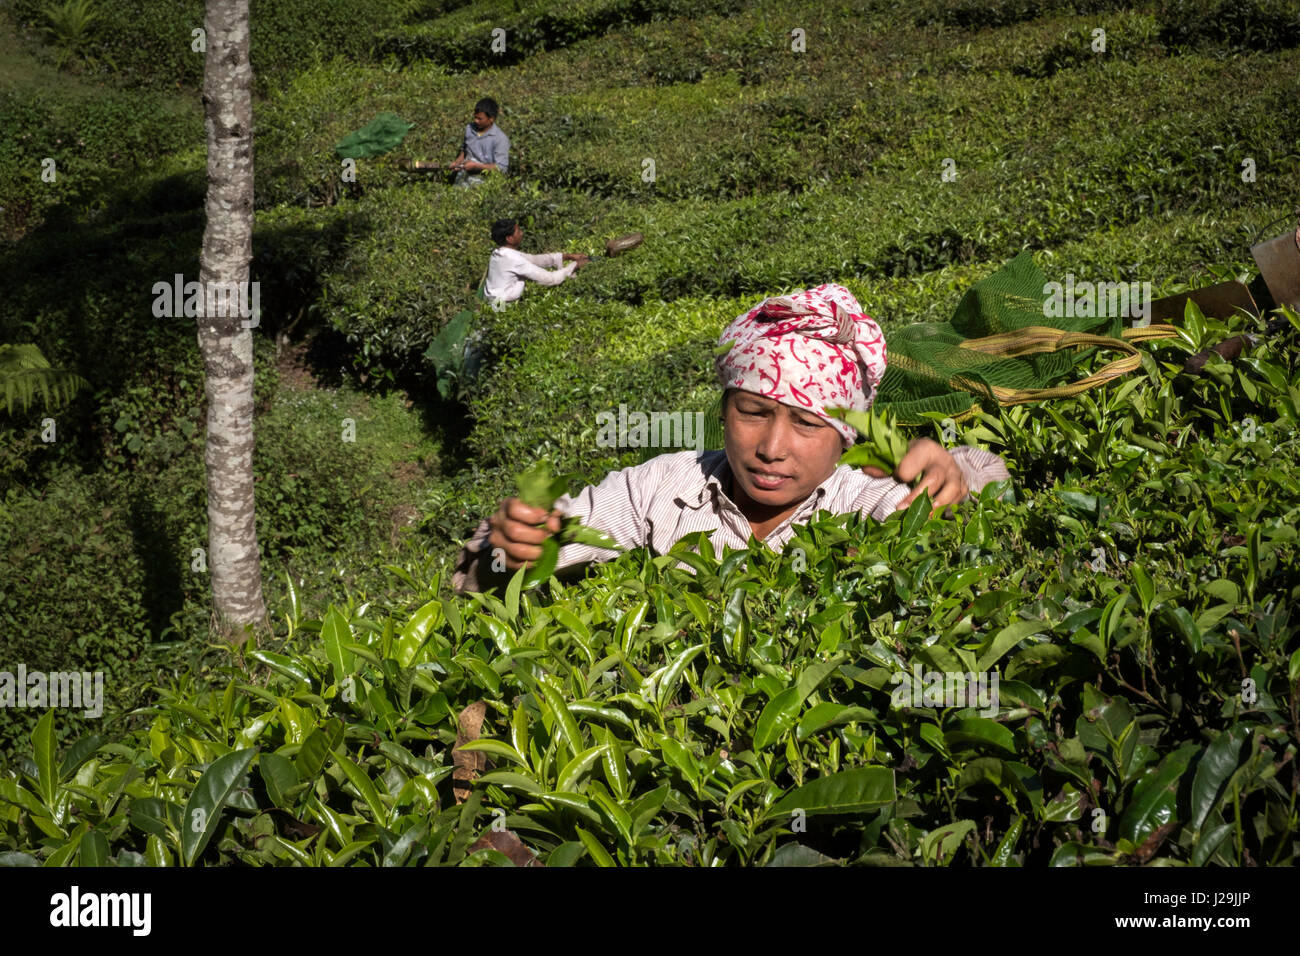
<point x="1038" y="338"/>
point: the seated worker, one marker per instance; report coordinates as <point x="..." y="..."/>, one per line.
<point x="508" y="267"/>
<point x="793" y="357"/>
<point x="486" y="146"/>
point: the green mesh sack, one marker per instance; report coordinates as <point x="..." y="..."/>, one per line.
<point x="999" y="348"/>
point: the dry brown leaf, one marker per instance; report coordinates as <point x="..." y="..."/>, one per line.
<point x="1152" y="843"/>
<point x="294" y="828"/>
<point x="503" y="841"/>
<point x="469" y="763"/>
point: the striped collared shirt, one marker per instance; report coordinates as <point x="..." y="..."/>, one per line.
<point x="659" y="502"/>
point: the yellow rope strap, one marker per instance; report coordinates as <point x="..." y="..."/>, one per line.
<point x="1038" y="338"/>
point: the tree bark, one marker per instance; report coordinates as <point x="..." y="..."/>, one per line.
<point x="224" y="341"/>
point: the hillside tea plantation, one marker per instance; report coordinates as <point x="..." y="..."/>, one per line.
<point x="1092" y="664"/>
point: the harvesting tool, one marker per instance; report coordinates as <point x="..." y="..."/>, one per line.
<point x="616" y="247"/>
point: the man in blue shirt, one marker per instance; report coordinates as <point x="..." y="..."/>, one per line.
<point x="486" y="146"/>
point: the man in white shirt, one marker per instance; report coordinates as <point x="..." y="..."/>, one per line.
<point x="509" y="268"/>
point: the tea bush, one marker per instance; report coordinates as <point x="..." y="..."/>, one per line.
<point x="1044" y="47"/>
<point x="973" y="14"/>
<point x="98" y="527"/>
<point x="1221" y="26"/>
<point x="90" y="138"/>
<point x="463" y="40"/>
<point x="148" y="44"/>
<point x="100" y="565"/>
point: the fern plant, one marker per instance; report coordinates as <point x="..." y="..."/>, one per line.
<point x="25" y="372"/>
<point x="69" y="28"/>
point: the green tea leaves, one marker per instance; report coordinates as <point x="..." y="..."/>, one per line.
<point x="778" y="717"/>
<point x="46" y="759"/>
<point x="883" y="445"/>
<point x="849" y="791"/>
<point x="202" y="811"/>
<point x="574" y="531"/>
<point x="539" y="488"/>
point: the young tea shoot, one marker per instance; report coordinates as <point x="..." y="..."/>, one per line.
<point x="884" y="445"/>
<point x="539" y="488"/>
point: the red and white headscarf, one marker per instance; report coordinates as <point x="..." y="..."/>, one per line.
<point x="811" y="349"/>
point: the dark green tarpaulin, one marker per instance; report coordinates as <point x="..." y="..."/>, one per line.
<point x="378" y="136"/>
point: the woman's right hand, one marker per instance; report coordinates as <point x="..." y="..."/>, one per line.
<point x="519" y="530"/>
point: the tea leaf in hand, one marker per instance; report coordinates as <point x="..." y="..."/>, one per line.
<point x="538" y="488"/>
<point x="884" y="445"/>
<point x="864" y="456"/>
<point x="545" y="565"/>
<point x="575" y="532"/>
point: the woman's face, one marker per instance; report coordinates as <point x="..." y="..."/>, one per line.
<point x="778" y="454"/>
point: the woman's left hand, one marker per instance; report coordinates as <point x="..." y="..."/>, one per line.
<point x="939" y="473"/>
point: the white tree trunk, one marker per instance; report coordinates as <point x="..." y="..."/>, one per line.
<point x="226" y="345"/>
